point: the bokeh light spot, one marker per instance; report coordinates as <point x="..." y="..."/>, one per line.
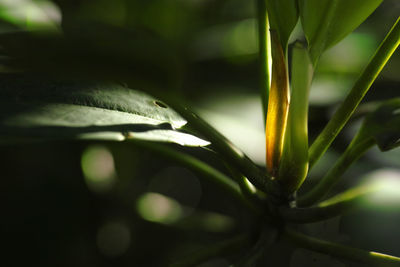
<point x="31" y="14"/>
<point x="98" y="168"/>
<point x="158" y="208"/>
<point x="387" y="182"/>
<point x="215" y="222"/>
<point x="179" y="184"/>
<point x="113" y="239"/>
<point x="242" y="39"/>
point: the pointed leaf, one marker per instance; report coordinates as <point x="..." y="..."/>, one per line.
<point x="278" y="107"/>
<point x="35" y="110"/>
<point x="326" y="22"/>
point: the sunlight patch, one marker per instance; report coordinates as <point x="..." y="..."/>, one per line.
<point x="30" y="14"/>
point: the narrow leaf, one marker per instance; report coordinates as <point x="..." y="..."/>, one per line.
<point x="294" y="163"/>
<point x="278" y="106"/>
<point x="264" y="47"/>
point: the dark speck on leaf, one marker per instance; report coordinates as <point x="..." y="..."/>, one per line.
<point x="160" y="104"/>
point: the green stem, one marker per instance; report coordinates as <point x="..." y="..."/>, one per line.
<point x="337" y="250"/>
<point x="360" y="88"/>
<point x="203" y="168"/>
<point x="248" y="190"/>
<point x="251" y="258"/>
<point x="264" y="54"/>
<point x="267" y="239"/>
<point x="353" y="152"/>
<point x="224" y="247"/>
<point x="228" y="151"/>
<point x="330" y="208"/>
<point x="294" y="162"/>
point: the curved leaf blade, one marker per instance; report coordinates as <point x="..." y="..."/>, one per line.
<point x="278" y="107"/>
<point x="35" y="110"/>
<point x="326" y="22"/>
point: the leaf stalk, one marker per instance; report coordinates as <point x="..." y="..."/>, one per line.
<point x="357" y="93"/>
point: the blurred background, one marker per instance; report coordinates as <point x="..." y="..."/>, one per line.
<point x="113" y="204"/>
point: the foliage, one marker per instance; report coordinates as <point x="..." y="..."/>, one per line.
<point x="67" y="78"/>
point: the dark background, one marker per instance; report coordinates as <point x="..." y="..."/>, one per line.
<point x="54" y="213"/>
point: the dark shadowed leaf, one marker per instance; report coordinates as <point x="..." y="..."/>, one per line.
<point x="326" y="22"/>
<point x="384" y="125"/>
<point x="35" y="110"/>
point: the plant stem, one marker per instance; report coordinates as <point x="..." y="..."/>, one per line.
<point x="267" y="239"/>
<point x="228" y="151"/>
<point x="203" y="168"/>
<point x="264" y="54"/>
<point x="337" y="250"/>
<point x="248" y="190"/>
<point x="360" y="88"/>
<point x="227" y="246"/>
<point x="330" y="208"/>
<point x="353" y="152"/>
<point x="294" y="163"/>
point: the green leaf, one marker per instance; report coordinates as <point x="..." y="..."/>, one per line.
<point x="278" y="107"/>
<point x="294" y="164"/>
<point x="326" y="22"/>
<point x="35" y="110"/>
<point x="282" y="16"/>
<point x="383" y="125"/>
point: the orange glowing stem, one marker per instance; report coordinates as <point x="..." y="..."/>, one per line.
<point x="278" y="106"/>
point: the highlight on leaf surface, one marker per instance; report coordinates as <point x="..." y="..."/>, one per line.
<point x="278" y="106"/>
<point x="326" y="22"/>
<point x="294" y="163"/>
<point x="33" y="109"/>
